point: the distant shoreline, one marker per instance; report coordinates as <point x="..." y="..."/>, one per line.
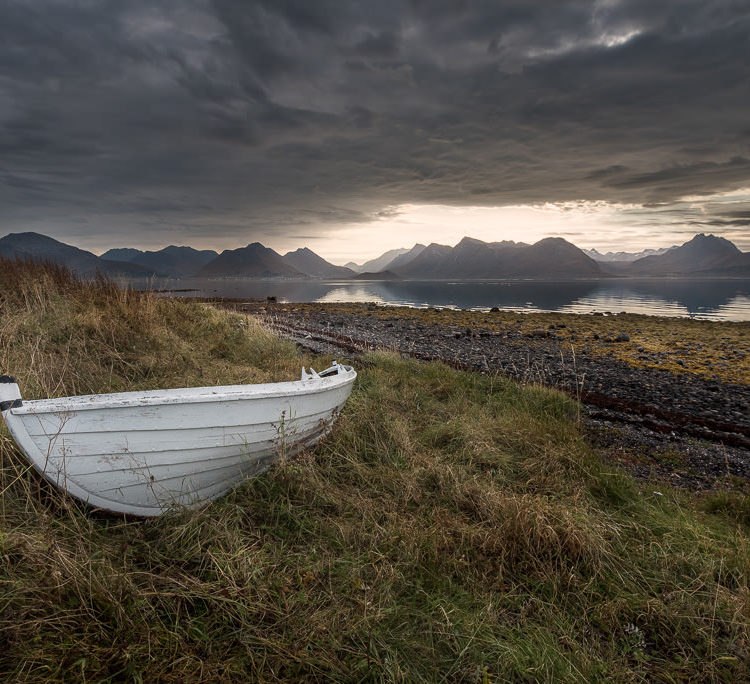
<point x="713" y="298"/>
<point x="475" y="281"/>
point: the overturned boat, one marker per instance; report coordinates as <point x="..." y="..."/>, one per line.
<point x="142" y="453"/>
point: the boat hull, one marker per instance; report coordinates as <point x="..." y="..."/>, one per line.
<point x="142" y="453"/>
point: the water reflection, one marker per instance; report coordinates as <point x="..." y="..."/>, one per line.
<point x="715" y="299"/>
<point x="462" y="295"/>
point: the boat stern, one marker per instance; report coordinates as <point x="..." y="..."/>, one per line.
<point x="10" y="394"/>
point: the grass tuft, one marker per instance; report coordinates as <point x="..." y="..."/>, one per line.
<point x="734" y="506"/>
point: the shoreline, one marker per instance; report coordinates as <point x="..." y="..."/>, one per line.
<point x="475" y="281"/>
<point x="686" y="422"/>
<point x="710" y="299"/>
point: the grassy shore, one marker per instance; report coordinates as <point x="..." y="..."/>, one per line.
<point x="715" y="349"/>
<point x="453" y="527"/>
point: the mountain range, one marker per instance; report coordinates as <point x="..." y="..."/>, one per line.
<point x="474" y="259"/>
<point x="172" y="260"/>
<point x="36" y="247"/>
<point x="253" y="261"/>
<point x="551" y="258"/>
<point x="470" y="259"/>
<point x="624" y="256"/>
<point x="386" y="260"/>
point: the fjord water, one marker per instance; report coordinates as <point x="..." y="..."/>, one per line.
<point x="715" y="299"/>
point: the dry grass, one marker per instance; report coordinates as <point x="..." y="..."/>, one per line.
<point x="62" y="336"/>
<point x="453" y="527"/>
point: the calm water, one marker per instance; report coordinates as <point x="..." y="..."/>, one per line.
<point x="727" y="300"/>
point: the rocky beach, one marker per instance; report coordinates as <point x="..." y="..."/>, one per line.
<point x="666" y="398"/>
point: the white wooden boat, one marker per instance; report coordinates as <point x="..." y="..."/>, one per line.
<point x="145" y="452"/>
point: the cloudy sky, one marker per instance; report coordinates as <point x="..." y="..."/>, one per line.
<point x="354" y="127"/>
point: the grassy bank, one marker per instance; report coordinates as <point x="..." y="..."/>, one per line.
<point x="454" y="526"/>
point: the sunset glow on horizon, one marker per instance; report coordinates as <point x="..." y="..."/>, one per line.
<point x="603" y="226"/>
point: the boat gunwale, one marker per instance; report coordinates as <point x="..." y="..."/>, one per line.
<point x="186" y="395"/>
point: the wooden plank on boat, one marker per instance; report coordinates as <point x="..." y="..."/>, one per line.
<point x="145" y="452"/>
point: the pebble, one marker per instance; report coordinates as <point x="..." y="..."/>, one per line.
<point x="536" y="356"/>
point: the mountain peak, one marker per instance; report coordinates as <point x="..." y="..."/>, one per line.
<point x="703" y="253"/>
<point x="467" y="241"/>
<point x="712" y="241"/>
<point x="554" y="241"/>
<point x="301" y="250"/>
<point x="30" y="236"/>
<point x="254" y="261"/>
<point x="314" y="265"/>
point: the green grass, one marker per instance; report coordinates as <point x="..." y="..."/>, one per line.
<point x="453" y="527"/>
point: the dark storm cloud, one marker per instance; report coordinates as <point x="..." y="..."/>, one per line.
<point x="256" y="117"/>
<point x="690" y="179"/>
